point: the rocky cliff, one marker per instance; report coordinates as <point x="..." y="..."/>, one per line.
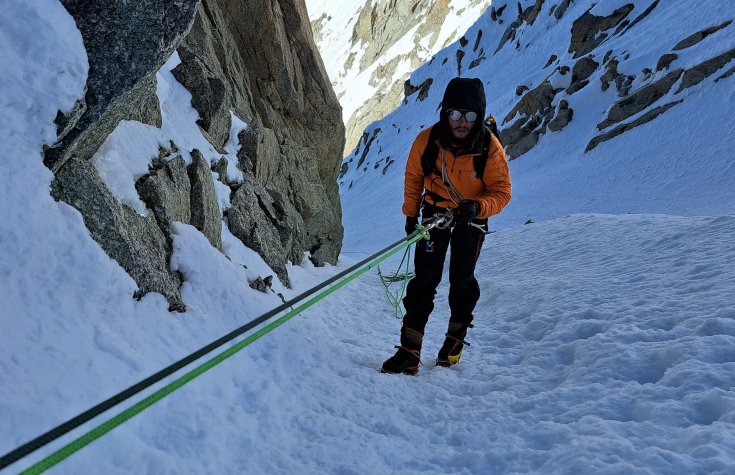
<point x="253" y="60"/>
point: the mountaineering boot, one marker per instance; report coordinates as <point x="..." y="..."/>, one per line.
<point x="451" y="350"/>
<point x="407" y="358"/>
<point x="405" y="361"/>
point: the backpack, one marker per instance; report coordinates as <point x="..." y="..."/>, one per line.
<point x="428" y="158"/>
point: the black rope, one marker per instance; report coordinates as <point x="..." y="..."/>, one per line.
<point x="53" y="434"/>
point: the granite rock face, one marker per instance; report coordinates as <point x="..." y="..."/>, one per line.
<point x="271" y="77"/>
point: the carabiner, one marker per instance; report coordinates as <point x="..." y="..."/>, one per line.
<point x="443" y="221"/>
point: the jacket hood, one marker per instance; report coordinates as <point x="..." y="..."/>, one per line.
<point x="464" y="93"/>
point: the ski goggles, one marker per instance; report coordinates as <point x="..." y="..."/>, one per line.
<point x="456" y="114"/>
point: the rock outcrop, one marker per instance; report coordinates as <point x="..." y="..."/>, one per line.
<point x="136" y="242"/>
<point x="692" y="40"/>
<point x="644" y="98"/>
<point x="640" y="100"/>
<point x="581" y="72"/>
<point x="589" y="31"/>
<point x="534" y="112"/>
<point x="422" y="89"/>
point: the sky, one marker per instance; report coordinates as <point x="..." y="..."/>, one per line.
<point x="604" y="339"/>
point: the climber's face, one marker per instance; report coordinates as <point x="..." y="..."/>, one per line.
<point x="461" y="122"/>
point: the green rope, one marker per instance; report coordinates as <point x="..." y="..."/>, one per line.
<point x="396" y="299"/>
<point x="139" y="407"/>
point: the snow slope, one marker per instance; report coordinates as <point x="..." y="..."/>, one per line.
<point x="604" y="342"/>
<point x="680" y="163"/>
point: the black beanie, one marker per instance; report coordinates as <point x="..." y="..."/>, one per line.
<point x="465" y="93"/>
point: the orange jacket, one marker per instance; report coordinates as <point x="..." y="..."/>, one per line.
<point x="492" y="192"/>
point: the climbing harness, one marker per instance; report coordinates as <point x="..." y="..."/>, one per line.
<point x="422" y="232"/>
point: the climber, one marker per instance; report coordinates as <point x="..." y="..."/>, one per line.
<point x="459" y="164"/>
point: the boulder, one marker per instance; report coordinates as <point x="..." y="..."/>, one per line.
<point x="581" y="72"/>
<point x="205" y="213"/>
<point x="166" y="192"/>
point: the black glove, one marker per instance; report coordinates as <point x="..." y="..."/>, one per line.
<point x="467" y="210"/>
<point x="411" y="223"/>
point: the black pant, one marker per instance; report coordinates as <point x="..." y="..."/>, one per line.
<point x="464" y="291"/>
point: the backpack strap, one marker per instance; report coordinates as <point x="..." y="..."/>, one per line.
<point x="428" y="158"/>
<point x="490" y="129"/>
<point x="479" y="161"/>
